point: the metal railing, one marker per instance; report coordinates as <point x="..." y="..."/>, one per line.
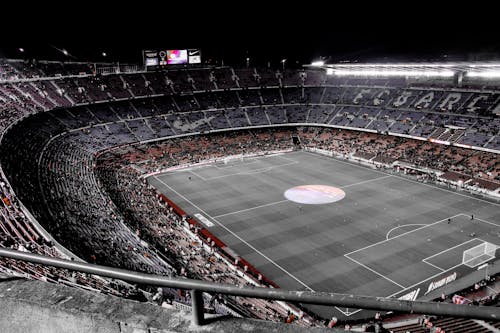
<point x="321" y="298"/>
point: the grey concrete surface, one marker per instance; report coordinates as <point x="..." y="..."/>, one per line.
<point x="39" y="307"/>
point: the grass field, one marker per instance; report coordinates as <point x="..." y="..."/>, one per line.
<point x="388" y="235"/>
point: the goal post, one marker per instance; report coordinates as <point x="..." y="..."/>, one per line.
<point x="479" y="254"/>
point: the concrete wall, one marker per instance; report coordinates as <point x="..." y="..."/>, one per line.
<point x="34" y="306"/>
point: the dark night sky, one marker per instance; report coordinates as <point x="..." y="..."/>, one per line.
<point x="355" y="33"/>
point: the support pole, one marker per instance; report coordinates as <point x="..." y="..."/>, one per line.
<point x="197" y="306"/>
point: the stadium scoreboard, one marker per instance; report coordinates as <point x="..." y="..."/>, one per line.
<point x="166" y="58"/>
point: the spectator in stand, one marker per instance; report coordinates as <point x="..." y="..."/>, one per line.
<point x="158" y="296"/>
<point x="332" y="322"/>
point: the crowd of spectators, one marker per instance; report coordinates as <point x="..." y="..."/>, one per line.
<point x="465" y="116"/>
<point x="480" y="166"/>
<point x="120" y="172"/>
<point x="19" y="233"/>
<point x="64" y="194"/>
<point x="153" y="220"/>
<point x="483" y="292"/>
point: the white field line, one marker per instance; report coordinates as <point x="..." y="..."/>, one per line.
<point x="359" y="166"/>
<point x="286" y="158"/>
<point x="253" y="159"/>
<point x="408" y="180"/>
<point x="427" y="279"/>
<point x="261" y="170"/>
<point x="405" y="233"/>
<point x="235" y="235"/>
<point x="481" y="220"/>
<point x="374" y="271"/>
<point x="252" y="208"/>
<point x="233" y="165"/>
<point x="478" y="264"/>
<point x="435" y="266"/>
<point x="348" y="313"/>
<point x="191" y="170"/>
<point x="366" y="181"/>
<point x="430" y="277"/>
<point x="345" y="313"/>
<point x="495" y="291"/>
<point x="386" y="240"/>
<point x="197" y="175"/>
<point x="401" y="226"/>
<point x="451" y="248"/>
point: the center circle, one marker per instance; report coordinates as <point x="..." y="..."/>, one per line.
<point x="314" y="194"/>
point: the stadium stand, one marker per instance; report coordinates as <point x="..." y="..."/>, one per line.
<point x="69" y="135"/>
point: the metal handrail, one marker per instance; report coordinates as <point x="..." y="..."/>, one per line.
<point x="321" y="298"/>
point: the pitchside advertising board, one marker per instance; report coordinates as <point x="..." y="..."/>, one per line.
<point x="166" y="58"/>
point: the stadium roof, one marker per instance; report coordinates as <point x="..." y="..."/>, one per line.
<point x="437" y="69"/>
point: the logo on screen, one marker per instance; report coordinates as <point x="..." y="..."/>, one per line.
<point x="194" y="52"/>
<point x="152" y="62"/>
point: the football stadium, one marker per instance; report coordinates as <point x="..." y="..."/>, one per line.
<point x="375" y="179"/>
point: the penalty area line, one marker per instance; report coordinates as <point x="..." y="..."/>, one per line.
<point x="403" y="234"/>
<point x="375" y="272"/>
<point x="366" y="181"/>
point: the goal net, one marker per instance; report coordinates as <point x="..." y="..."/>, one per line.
<point x="479" y="254"/>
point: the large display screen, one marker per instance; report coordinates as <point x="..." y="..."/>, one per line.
<point x="155" y="58"/>
<point x="177" y="57"/>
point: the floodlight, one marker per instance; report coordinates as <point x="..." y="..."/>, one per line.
<point x="444" y="73"/>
